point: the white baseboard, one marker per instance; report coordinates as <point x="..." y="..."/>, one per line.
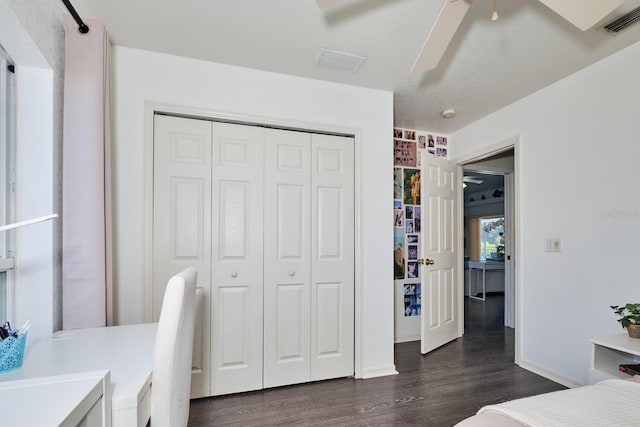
<point x="380" y="371"/>
<point x="553" y="376"/>
<point x="407" y="338"/>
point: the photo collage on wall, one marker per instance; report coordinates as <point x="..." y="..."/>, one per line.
<point x="408" y="145"/>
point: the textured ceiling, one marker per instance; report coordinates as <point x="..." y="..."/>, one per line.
<point x="487" y="66"/>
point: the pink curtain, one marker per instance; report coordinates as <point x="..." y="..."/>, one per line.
<point x="86" y="177"/>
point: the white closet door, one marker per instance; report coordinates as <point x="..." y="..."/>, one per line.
<point x="287" y="257"/>
<point x="236" y="294"/>
<point x="332" y="254"/>
<point x="182" y="222"/>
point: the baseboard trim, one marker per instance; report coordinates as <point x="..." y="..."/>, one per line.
<point x="550" y="375"/>
<point x="380" y="371"/>
<point x="407" y="338"/>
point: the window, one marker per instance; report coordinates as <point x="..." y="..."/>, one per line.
<point x="492" y="238"/>
<point x="7" y="167"/>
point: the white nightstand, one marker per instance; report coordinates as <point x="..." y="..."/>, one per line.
<point x="607" y="353"/>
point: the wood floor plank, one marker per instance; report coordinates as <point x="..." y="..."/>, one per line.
<point x="437" y="389"/>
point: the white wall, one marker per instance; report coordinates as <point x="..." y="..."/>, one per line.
<point x="578" y="180"/>
<point x="142" y="76"/>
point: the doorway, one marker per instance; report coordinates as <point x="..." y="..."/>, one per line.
<point x="488" y="202"/>
<point x="484" y="247"/>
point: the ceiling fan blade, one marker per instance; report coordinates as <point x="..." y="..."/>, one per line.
<point x="472" y="180"/>
<point x="584" y="14"/>
<point x="441" y="34"/>
<point x="325" y="4"/>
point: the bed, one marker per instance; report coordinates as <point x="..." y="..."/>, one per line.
<point x="607" y="403"/>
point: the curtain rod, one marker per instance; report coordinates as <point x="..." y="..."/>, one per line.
<point x="82" y="27"/>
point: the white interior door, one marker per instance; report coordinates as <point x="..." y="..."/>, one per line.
<point x="332" y="254"/>
<point x="438" y="267"/>
<point x="287" y="263"/>
<point x="236" y="290"/>
<point x="182" y="222"/>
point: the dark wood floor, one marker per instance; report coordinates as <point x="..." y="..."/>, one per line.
<point x="438" y="389"/>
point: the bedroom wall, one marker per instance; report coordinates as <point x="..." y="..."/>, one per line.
<point x="578" y="180"/>
<point x="142" y="76"/>
<point x="31" y="33"/>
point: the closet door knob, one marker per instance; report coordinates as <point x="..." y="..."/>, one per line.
<point x="292" y="273"/>
<point x="234" y="274"/>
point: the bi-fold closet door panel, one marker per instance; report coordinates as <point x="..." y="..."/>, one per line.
<point x="309" y="257"/>
<point x="182" y="223"/>
<point x="287" y="257"/>
<point x="207" y="213"/>
<point x="237" y="258"/>
<point x="333" y="257"/>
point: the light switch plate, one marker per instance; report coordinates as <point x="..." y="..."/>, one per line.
<point x="553" y="244"/>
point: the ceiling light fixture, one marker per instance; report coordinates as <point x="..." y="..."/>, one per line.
<point x="449" y="113"/>
<point x="494" y="16"/>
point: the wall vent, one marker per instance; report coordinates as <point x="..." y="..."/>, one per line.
<point x="624" y="21"/>
<point x="342" y="61"/>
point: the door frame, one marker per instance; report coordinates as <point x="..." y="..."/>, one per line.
<point x="150" y="108"/>
<point x="481" y="154"/>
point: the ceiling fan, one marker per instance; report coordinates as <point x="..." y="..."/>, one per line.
<point x="584" y="14"/>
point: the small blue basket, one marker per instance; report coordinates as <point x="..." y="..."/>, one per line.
<point x="11" y="353"/>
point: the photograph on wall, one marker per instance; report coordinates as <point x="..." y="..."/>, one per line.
<point x="432" y="151"/>
<point x="412" y="270"/>
<point x="422" y="141"/>
<point x="412" y="186"/>
<point x="410" y="134"/>
<point x="397" y="133"/>
<point x="398" y="253"/>
<point x="412" y="299"/>
<point x="404" y="153"/>
<point x="398" y="214"/>
<point x="409" y="212"/>
<point x="441" y="152"/>
<point x="397" y="183"/>
<point x="412" y="239"/>
<point x="417" y="218"/>
<point x="412" y="252"/>
<point x="441" y="140"/>
<point x="430" y="141"/>
<point x="409" y="226"/>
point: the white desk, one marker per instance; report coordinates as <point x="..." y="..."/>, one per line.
<point x="484" y="266"/>
<point x="126" y="351"/>
<point x="66" y="400"/>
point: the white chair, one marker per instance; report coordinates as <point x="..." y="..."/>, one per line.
<point x="171" y="382"/>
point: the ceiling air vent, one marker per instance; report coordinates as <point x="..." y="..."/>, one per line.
<point x="342" y="61"/>
<point x="624" y="21"/>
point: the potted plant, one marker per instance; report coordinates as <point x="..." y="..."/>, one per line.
<point x="629" y="318"/>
